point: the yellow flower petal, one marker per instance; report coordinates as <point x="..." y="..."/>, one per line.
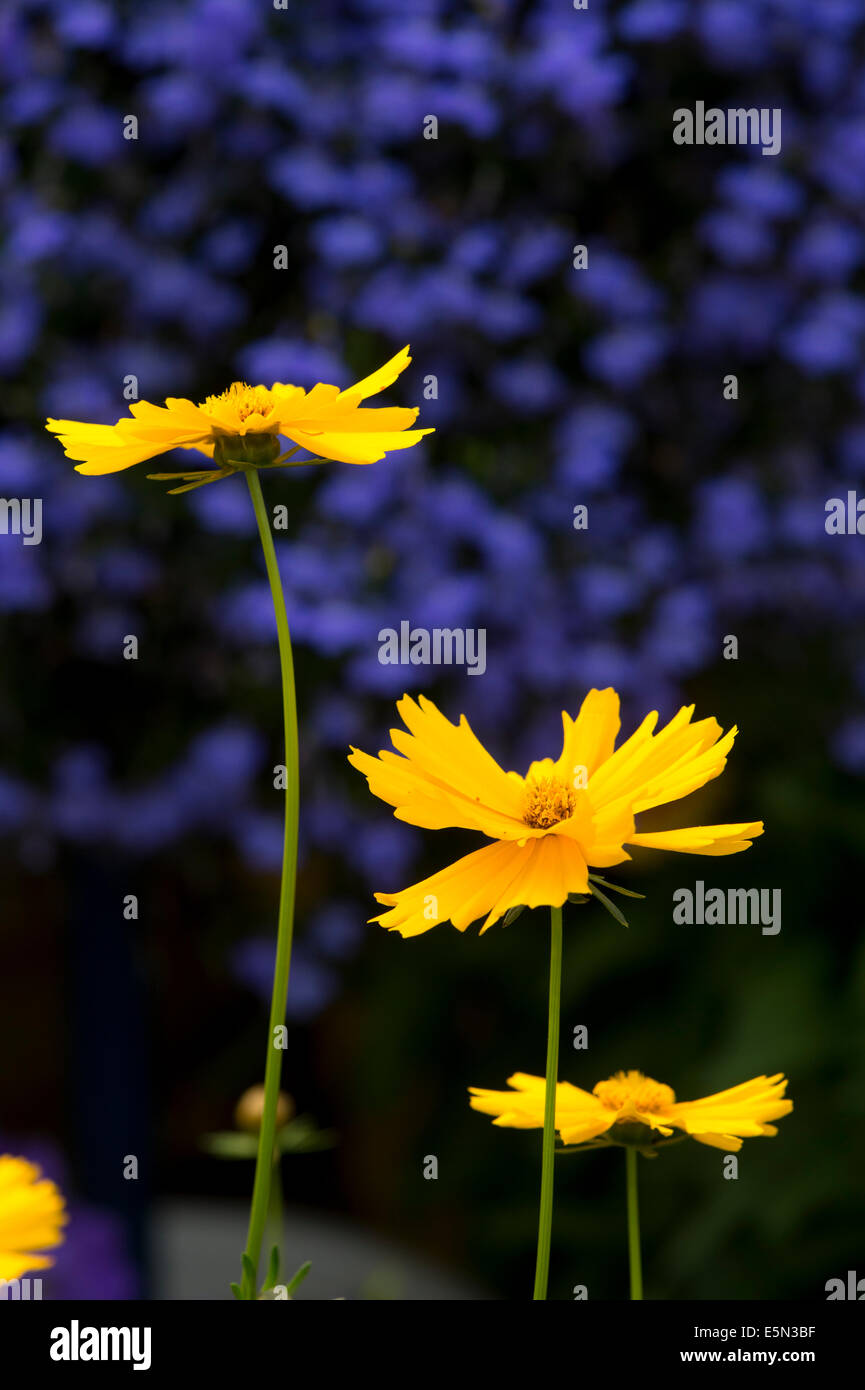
<point x="440" y="775"/>
<point x="443" y="776"/>
<point x="517" y="1108"/>
<point x="115" y="459"/>
<point x="111" y="448"/>
<point x="381" y="379"/>
<point x="32" y="1216"/>
<point x="612" y="829"/>
<point x="589" y="739"/>
<point x="721" y="1121"/>
<point x="581" y="1131"/>
<point x="489" y="882"/>
<point x="703" y="839"/>
<point x="744" y="1111"/>
<point x="330" y="423"/>
<point x="360" y="447"/>
<point x="650" y="768"/>
<point x="728" y="1142"/>
<point x="579" y="1115"/>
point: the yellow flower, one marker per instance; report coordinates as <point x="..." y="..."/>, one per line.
<point x="32" y="1215"/>
<point x="631" y="1108"/>
<point x="242" y="425"/>
<point x="550" y="826"/>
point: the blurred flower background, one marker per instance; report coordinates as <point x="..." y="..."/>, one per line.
<point x="549" y="387"/>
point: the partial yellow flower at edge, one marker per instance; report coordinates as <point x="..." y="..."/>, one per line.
<point x="552" y="826"/>
<point x="328" y="422"/>
<point x="32" y="1217"/>
<point x="618" y="1107"/>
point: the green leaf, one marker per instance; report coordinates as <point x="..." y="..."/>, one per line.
<point x="272" y="1276"/>
<point x="249" y="1271"/>
<point x="610" y="906"/>
<point x="302" y="1135"/>
<point x="615" y="887"/>
<point x="299" y="1277"/>
<point x="578" y="897"/>
<point x="236" y="1290"/>
<point x="512" y="914"/>
<point x="229" y="1143"/>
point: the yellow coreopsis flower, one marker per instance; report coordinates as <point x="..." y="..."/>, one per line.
<point x="241" y="426"/>
<point x="32" y="1217"/>
<point x="632" y="1109"/>
<point x="239" y="431"/>
<point x="552" y="826"/>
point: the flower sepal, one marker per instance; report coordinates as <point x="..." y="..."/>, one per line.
<point x="626" y="1136"/>
<point x="199" y="477"/>
<point x="241" y="451"/>
<point x="615" y="887"/>
<point x="631" y="1134"/>
<point x="512" y="914"/>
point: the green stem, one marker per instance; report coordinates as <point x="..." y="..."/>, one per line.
<point x="634" y="1260"/>
<point x="545" y="1217"/>
<point x="273" y="1065"/>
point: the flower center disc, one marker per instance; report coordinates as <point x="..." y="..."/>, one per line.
<point x="244" y="400"/>
<point x="548" y="801"/>
<point x="647" y="1095"/>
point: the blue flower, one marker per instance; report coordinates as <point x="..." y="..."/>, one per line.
<point x="827" y="338"/>
<point x="625" y="356"/>
<point x="733" y="34"/>
<point x="87" y="134"/>
<point x="766" y="192"/>
<point x="86" y="24"/>
<point x="614" y="285"/>
<point x="652" y="21"/>
<point x="290" y="360"/>
<point x="529" y="386"/>
<point x="261" y="840"/>
<point x="348" y="241"/>
<point x="177" y="104"/>
<point x="682" y="631"/>
<point x="590" y="443"/>
<point x="308" y="178"/>
<point x="731" y="518"/>
<point x="827" y="250"/>
<point x="738" y="238"/>
<point x="848" y="745"/>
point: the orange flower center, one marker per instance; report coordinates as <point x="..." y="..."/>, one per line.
<point x="548" y="801"/>
<point x="245" y="400"/>
<point x="647" y="1095"/>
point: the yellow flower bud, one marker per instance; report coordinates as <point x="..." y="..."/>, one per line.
<point x="250" y="1108"/>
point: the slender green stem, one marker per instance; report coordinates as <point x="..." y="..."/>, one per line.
<point x="273" y="1065"/>
<point x="634" y="1260"/>
<point x="545" y="1217"/>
